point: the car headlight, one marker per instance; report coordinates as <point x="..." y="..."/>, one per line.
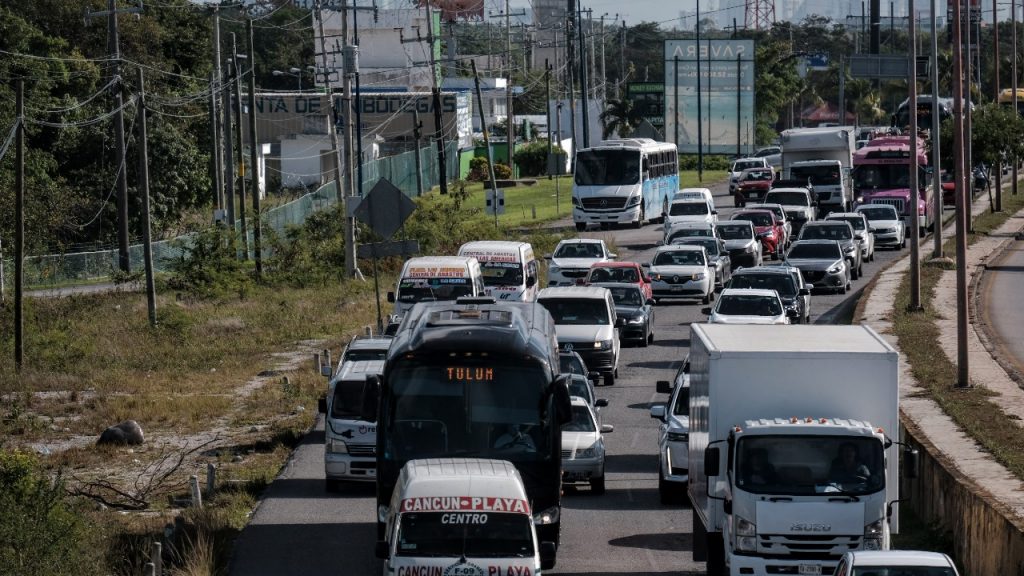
<point x="849" y="247"/>
<point x="656" y="277"/>
<point x="750" y="247"/>
<point x="746" y="532"/>
<point x="698" y="276"/>
<point x="678" y="436"/>
<point x="335" y="446"/>
<point x="835" y="269"/>
<point x="590" y="452"/>
<point x="548" y="516"/>
<point x="874" y="533"/>
<point x="637" y="320"/>
<point x="767" y="234"/>
<point x="634" y="200"/>
<point x="603" y="345"/>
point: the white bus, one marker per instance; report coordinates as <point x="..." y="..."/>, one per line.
<point x="625" y="181"/>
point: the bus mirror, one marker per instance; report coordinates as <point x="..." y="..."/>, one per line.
<point x="911" y="463"/>
<point x="560" y="394"/>
<point x="371" y="397"/>
<point x="391" y="297"/>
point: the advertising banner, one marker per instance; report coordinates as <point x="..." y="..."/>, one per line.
<point x="723" y="117"/>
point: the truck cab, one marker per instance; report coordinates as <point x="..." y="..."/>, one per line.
<point x="349" y="441"/>
<point x="824" y="157"/>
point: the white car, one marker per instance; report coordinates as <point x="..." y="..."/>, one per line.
<point x="741" y="164"/>
<point x="748" y="306"/>
<point x="572" y="259"/>
<point x="694" y="194"/>
<point x="682" y="271"/>
<point x="685" y="229"/>
<point x="861" y="231"/>
<point x="895" y="563"/>
<point x="698" y="210"/>
<point x="583" y="447"/>
<point x="673" y="442"/>
<point x="885" y="224"/>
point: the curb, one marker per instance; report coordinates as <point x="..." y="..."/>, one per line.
<point x="979" y="316"/>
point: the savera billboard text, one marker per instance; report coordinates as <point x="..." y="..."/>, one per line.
<point x="723" y="120"/>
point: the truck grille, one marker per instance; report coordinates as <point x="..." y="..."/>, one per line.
<point x="365" y="450"/>
<point x="604" y="203"/>
<point x="894" y="202"/>
<point x="566" y="454"/>
<point x="807" y="547"/>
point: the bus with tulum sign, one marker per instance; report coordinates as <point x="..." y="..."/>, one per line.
<point x="461" y="516"/>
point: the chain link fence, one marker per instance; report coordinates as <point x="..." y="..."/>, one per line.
<point x="51" y="270"/>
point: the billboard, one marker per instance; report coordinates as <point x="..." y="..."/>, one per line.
<point x="648" y="98"/>
<point x="724" y="118"/>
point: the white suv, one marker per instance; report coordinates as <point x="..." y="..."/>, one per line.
<point x="572" y="259"/>
<point x="586" y="323"/>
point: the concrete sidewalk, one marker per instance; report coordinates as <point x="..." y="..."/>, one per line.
<point x="965" y="459"/>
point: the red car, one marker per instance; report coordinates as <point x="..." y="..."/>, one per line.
<point x="948" y="188"/>
<point x="769" y="229"/>
<point x="753" y="184"/>
<point x="625" y="272"/>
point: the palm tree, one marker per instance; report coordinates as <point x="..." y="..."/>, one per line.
<point x="620" y="116"/>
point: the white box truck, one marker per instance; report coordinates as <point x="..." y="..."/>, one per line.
<point x="793" y="448"/>
<point x="825" y="157"/>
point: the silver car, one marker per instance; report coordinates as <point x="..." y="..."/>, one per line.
<point x="822" y="264"/>
<point x="583" y="447"/>
<point x="841" y="232"/>
<point x="673" y="442"/>
<point x="861" y="231"/>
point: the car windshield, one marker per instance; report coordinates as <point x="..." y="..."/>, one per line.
<point x="881" y="176"/>
<point x="823" y="232"/>
<point x="679" y="258"/>
<point x="430" y="289"/>
<point x="582" y="420"/>
<point x="788" y="198"/>
<point x="710" y="244"/>
<point x="607" y="167"/>
<point x="688" y="232"/>
<point x="748" y="305"/>
<point x="810" y="464"/>
<point x="628" y="275"/>
<point x="815" y="250"/>
<point x="880" y="213"/>
<point x="758" y="219"/>
<point x="780" y="214"/>
<point x="502" y="273"/>
<point x="735" y="231"/>
<point x="688" y="209"/>
<point x="824" y="175"/>
<point x="579" y="250"/>
<point x="627" y="297"/>
<point x="465" y="534"/>
<point x="580" y="386"/>
<point x="781" y="283"/>
<point x="856" y="223"/>
<point x="902" y="571"/>
<point x="571" y="364"/>
<point x="577" y="311"/>
<point x="741" y="166"/>
<point x="682" y="405"/>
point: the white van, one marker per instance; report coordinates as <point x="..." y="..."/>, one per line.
<point x="433" y="278"/>
<point x="695" y="210"/>
<point x="350" y="444"/>
<point x="461" y="516"/>
<point x="694" y="194"/>
<point x="510" y="269"/>
<point x="586" y="323"/>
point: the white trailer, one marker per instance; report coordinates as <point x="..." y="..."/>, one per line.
<point x="774" y="413"/>
<point x="825" y="157"/>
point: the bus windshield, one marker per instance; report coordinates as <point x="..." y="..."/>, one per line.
<point x="468" y="534"/>
<point x="607" y="167"/>
<point x="462" y="407"/>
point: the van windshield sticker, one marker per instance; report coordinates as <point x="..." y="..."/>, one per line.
<point x="435" y="272"/>
<point x="492" y="255"/>
<point x="464" y="518"/>
<point x="460" y="503"/>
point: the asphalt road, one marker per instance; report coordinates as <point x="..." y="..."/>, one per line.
<point x="300" y="529"/>
<point x="1000" y="297"/>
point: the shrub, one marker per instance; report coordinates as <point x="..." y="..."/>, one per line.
<point x="712" y="163"/>
<point x="532" y="159"/>
<point x="478" y="170"/>
<point x="208" y="265"/>
<point x="313" y="252"/>
<point x="502" y="171"/>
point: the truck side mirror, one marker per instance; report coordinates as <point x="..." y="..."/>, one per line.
<point x="321" y="405"/>
<point x="658" y="411"/>
<point x="663" y="387"/>
<point x="706" y="311"/>
<point x="607" y="428"/>
<point x="711" y="461"/>
<point x="370" y="399"/>
<point x="911" y="463"/>
<point x="381" y="549"/>
<point x="391" y="297"/>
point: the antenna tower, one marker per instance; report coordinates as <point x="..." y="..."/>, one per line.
<point x="759" y="15"/>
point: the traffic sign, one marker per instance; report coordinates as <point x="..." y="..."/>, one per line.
<point x="879" y="66"/>
<point x="384" y="209"/>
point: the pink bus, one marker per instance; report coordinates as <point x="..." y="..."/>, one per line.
<point x="881" y="175"/>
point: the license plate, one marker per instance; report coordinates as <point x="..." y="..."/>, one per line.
<point x="809" y="569"/>
<point x="574" y="476"/>
<point x="677" y="288"/>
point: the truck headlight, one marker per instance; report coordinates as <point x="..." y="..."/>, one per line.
<point x="575" y="201"/>
<point x="549" y="516"/>
<point x="603" y="345"/>
<point x="335" y="446"/>
<point x="678" y="436"/>
<point x="746" y="533"/>
<point x="873" y="534"/>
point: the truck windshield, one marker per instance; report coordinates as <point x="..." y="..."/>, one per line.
<point x="799" y="465"/>
<point x="781" y="283"/>
<point x="348" y="395"/>
<point x="682" y="405"/>
<point x="411" y="290"/>
<point x="470" y="534"/>
<point x="787" y="198"/>
<point x="502" y="273"/>
<point x="579" y="312"/>
<point x="902" y="570"/>
<point x="688" y="209"/>
<point x="881" y="176"/>
<point x="607" y="167"/>
<point x="818" y="175"/>
<point x="461" y="407"/>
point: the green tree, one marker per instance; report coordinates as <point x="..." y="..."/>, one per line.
<point x="620" y="117"/>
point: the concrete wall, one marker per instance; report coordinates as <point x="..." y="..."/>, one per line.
<point x="986" y="541"/>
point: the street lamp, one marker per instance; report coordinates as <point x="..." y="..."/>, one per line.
<point x="293" y="72"/>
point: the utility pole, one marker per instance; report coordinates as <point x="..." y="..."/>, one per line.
<point x="995" y="98"/>
<point x="547" y="108"/>
<point x="622" y="60"/>
<point x="487" y="141"/>
<point x="358" y="94"/>
<point x="675" y="100"/>
<point x="257" y="215"/>
<point x="915" y="191"/>
<point x="19" y="227"/>
<point x="963" y="379"/>
<point x="584" y="91"/>
<point x="143" y="175"/>
<point x="117" y="91"/>
<point x="417" y="133"/>
<point x="238" y="137"/>
<point x="435" y="91"/>
<point x="604" y="72"/>
<point x="936" y="141"/>
<point x="218" y="152"/>
<point x="592" y="71"/>
<point x="341" y="183"/>
<point x="700" y="109"/>
<point x="558" y="129"/>
<point x="229" y="155"/>
<point x="215" y="167"/>
<point x="510" y="123"/>
<point x="1013" y="25"/>
<point x="570" y="80"/>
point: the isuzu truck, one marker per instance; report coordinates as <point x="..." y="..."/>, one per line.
<point x="793" y="447"/>
<point x="823" y="156"/>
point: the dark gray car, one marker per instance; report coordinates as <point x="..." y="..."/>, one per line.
<point x="822" y="264"/>
<point x="741" y="242"/>
<point x="842" y="232"/>
<point x="794" y="297"/>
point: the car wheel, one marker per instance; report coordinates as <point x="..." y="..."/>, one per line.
<point x="581" y="226"/>
<point x="650" y="337"/>
<point x="609" y="379"/>
<point x="903" y="242"/>
<point x="706" y="299"/>
<point x="597" y="485"/>
<point x="853" y="272"/>
<point x="860" y="270"/>
<point x="807" y="319"/>
<point x="640" y="222"/>
<point x="645" y="341"/>
<point x="668" y="492"/>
